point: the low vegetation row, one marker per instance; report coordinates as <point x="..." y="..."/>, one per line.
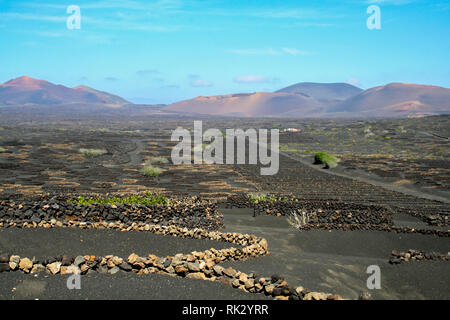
<point x="92" y="152"/>
<point x="146" y="199"/>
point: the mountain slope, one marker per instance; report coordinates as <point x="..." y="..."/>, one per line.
<point x="326" y="93"/>
<point x="248" y="104"/>
<point x="29" y="91"/>
<point x="105" y="97"/>
<point x="397" y="99"/>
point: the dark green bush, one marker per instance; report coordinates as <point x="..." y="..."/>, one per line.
<point x="326" y="159"/>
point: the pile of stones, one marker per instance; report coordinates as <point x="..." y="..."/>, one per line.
<point x="196" y="265"/>
<point x="437" y="220"/>
<point x="240" y="200"/>
<point x="40" y="210"/>
<point x="398" y="257"/>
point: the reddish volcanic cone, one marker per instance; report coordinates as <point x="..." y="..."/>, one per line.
<point x="248" y="104"/>
<point x="398" y="99"/>
<point x="29" y="91"/>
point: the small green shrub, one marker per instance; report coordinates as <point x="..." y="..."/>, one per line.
<point x="327" y="159"/>
<point x="92" y="152"/>
<point x="151" y="171"/>
<point x="2" y="149"/>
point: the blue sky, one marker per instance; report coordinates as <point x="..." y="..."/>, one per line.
<point x="167" y="50"/>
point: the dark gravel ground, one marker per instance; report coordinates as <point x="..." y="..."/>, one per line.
<point x="310" y="182"/>
<point x="41" y="243"/>
<point x="114" y="287"/>
<point x="336" y="262"/>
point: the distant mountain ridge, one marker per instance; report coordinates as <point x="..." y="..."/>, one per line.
<point x="247" y="104"/>
<point x="301" y="99"/>
<point x="308" y="99"/>
<point x="26" y="90"/>
<point x="305" y="99"/>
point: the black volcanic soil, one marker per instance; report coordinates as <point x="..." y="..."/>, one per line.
<point x="39" y="160"/>
<point x="120" y="286"/>
<point x="45" y="157"/>
<point x="411" y="154"/>
<point x="42" y="243"/>
<point x="337" y="261"/>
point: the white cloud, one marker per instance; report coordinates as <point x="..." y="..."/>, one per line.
<point x="294" y="52"/>
<point x="269" y="51"/>
<point x="31" y="16"/>
<point x="147" y="72"/>
<point x="393" y="2"/>
<point x="251" y="79"/>
<point x="124" y="22"/>
<point x="201" y="83"/>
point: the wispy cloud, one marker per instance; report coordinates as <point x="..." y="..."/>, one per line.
<point x="201" y="83"/>
<point x="137" y="21"/>
<point x="251" y="79"/>
<point x="270" y="51"/>
<point x="390" y="2"/>
<point x="159" y="80"/>
<point x="51" y="34"/>
<point x="162" y="8"/>
<point x="272" y="13"/>
<point x="147" y="72"/>
<point x="149" y="16"/>
<point x="112" y="4"/>
<point x="171" y="86"/>
<point x="295" y="52"/>
<point x="31" y="16"/>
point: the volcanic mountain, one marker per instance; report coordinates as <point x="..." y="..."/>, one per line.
<point x="397" y="99"/>
<point x="301" y="99"/>
<point x="257" y="104"/>
<point x="29" y="91"/>
<point x="326" y="93"/>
